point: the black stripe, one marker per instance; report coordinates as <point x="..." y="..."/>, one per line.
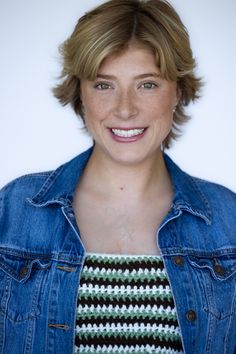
<point x="118" y="282"/>
<point x="127" y="301"/>
<point x="122" y="320"/>
<point x="108" y="339"/>
<point x="131" y="265"/>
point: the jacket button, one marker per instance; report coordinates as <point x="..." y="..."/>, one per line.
<point x="23" y="272"/>
<point x="191" y="315"/>
<point x="219" y="269"/>
<point x="178" y="260"/>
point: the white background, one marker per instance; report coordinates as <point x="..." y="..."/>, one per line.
<point x="37" y="134"/>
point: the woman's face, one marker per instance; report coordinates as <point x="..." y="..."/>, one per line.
<point x="129" y="106"/>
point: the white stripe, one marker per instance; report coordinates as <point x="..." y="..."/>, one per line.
<point x="102" y="289"/>
<point x="133" y="328"/>
<point x="124" y="349"/>
<point x="127" y="309"/>
<point x="126" y="273"/>
<point x="113" y="255"/>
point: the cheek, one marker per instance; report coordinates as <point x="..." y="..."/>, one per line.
<point x="90" y="113"/>
<point x="94" y="115"/>
<point x="94" y="107"/>
<point x="160" y="110"/>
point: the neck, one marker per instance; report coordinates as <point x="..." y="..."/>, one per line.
<point x="138" y="180"/>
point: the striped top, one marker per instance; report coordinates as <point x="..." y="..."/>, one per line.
<point x="125" y="305"/>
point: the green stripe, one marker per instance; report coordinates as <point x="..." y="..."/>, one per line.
<point x="153" y="295"/>
<point x="96" y="314"/>
<point x="89" y="275"/>
<point x="127" y="335"/>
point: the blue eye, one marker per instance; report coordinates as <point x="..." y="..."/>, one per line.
<point x="149" y="85"/>
<point x="102" y="86"/>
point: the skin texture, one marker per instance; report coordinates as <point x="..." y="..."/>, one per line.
<point x="129" y="93"/>
<point x="125" y="191"/>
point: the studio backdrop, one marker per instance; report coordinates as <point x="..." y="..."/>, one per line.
<point x="37" y="134"/>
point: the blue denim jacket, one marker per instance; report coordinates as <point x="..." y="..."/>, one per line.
<point x="41" y="256"/>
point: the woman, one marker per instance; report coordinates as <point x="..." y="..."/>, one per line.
<point x="119" y="250"/>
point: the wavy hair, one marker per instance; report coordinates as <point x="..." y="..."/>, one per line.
<point x="107" y="30"/>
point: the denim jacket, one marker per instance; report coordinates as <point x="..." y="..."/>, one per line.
<point x="41" y="256"/>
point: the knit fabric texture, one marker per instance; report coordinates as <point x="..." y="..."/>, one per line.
<point x="125" y="305"/>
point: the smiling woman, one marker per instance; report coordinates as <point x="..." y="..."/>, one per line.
<point x="94" y="40"/>
<point x="129" y="102"/>
<point x="119" y="250"/>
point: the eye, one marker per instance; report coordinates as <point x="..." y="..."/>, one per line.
<point x="149" y="85"/>
<point x="102" y="86"/>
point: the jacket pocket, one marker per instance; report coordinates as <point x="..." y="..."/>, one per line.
<point x="217" y="275"/>
<point x="22" y="281"/>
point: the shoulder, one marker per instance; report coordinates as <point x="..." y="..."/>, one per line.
<point x="214" y="192"/>
<point x="203" y="195"/>
<point x="221" y="204"/>
<point x="60" y="181"/>
<point x="22" y="187"/>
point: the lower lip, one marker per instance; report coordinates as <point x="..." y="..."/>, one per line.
<point x="131" y="139"/>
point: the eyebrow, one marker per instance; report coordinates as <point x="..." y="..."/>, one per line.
<point x="141" y="76"/>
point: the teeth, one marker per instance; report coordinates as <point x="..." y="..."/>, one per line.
<point x="127" y="133"/>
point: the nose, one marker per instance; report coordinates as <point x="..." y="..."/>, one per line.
<point x="126" y="105"/>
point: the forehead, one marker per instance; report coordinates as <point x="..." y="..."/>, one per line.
<point x="134" y="56"/>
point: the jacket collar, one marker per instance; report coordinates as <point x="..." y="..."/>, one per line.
<point x="60" y="185"/>
<point x="188" y="194"/>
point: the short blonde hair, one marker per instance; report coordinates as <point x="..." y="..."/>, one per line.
<point x="109" y="28"/>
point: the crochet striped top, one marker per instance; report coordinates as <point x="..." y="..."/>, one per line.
<point x="125" y="305"/>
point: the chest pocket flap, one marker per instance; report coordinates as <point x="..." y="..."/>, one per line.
<point x="217" y="274"/>
<point x="22" y="281"/>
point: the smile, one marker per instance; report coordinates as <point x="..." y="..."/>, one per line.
<point x="127" y="133"/>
